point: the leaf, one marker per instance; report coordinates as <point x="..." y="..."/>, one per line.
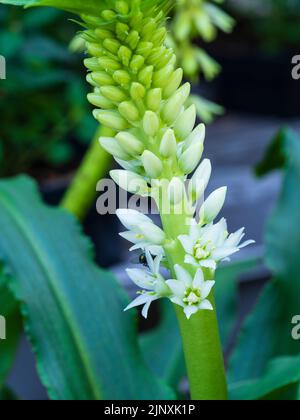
<point x="10" y="311"/>
<point x="269" y="326"/>
<point x="280" y="374"/>
<point x="162" y="346"/>
<point x="85" y="345"/>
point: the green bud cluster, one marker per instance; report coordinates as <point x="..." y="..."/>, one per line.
<point x="138" y="91"/>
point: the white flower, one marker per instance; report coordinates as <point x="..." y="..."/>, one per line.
<point x="190" y="293"/>
<point x="205" y="246"/>
<point x="142" y="232"/>
<point x="151" y="282"/>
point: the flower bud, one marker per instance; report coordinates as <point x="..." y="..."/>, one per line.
<point x="103" y="33"/>
<point x="133" y="39"/>
<point x="185" y="123"/>
<point x="101" y="78"/>
<point x="168" y="145"/>
<point x="100" y="101"/>
<point x="137" y="91"/>
<point x="136" y="63"/>
<point x="122" y="31"/>
<point x="173" y="83"/>
<point x="131" y="182"/>
<point x="176" y="191"/>
<point x="153" y="233"/>
<point x="212" y="206"/>
<point x="122" y="7"/>
<point x="190" y="158"/>
<point x="132" y="219"/>
<point x="145" y="76"/>
<point x="129" y="111"/>
<point x="153" y="100"/>
<point x="111" y="119"/>
<point x="109" y="64"/>
<point x="112" y="146"/>
<point x="161" y="77"/>
<point x="125" y="55"/>
<point x="130" y="143"/>
<point x="144" y="48"/>
<point x="113" y="93"/>
<point x="92" y="64"/>
<point x="173" y="106"/>
<point x="94" y="49"/>
<point x="122" y="77"/>
<point x="199" y="180"/>
<point x="151" y="123"/>
<point x="196" y="136"/>
<point x="111" y="45"/>
<point x="152" y="164"/>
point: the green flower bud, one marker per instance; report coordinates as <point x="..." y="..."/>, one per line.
<point x="133" y="39"/>
<point x="101" y="78"/>
<point x="125" y="55"/>
<point x="100" y="101"/>
<point x="151" y="123"/>
<point x="94" y="49"/>
<point x="145" y="76"/>
<point x="111" y="119"/>
<point x="129" y="111"/>
<point x="108" y="15"/>
<point x="173" y="106"/>
<point x="113" y="93"/>
<point x="112" y="45"/>
<point x="137" y="63"/>
<point x="130" y="143"/>
<point x="144" y="48"/>
<point x="159" y="36"/>
<point x="103" y="33"/>
<point x="122" y="7"/>
<point x="109" y="64"/>
<point x="153" y="100"/>
<point x="112" y="146"/>
<point x="152" y="164"/>
<point x="161" y="77"/>
<point x="122" y="77"/>
<point x="92" y="64"/>
<point x="185" y="123"/>
<point x="122" y="31"/>
<point x="196" y="136"/>
<point x="90" y="80"/>
<point x="137" y="91"/>
<point x="190" y="159"/>
<point x="168" y="145"/>
<point x="173" y="83"/>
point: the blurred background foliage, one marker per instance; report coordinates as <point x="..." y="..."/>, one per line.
<point x="42" y="103"/>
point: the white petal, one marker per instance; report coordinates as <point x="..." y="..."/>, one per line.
<point x="190" y="310"/>
<point x="211" y="264"/>
<point x="131" y="237"/>
<point x="141" y="278"/>
<point x="187" y="243"/>
<point x="195" y="231"/>
<point x="191" y="260"/>
<point x="177" y="301"/>
<point x="140" y="245"/>
<point x="177" y="287"/>
<point x="150" y="261"/>
<point x="199" y="279"/>
<point x="140" y="300"/>
<point x="246" y="243"/>
<point x="206" y="305"/>
<point x="213" y="205"/>
<point x="183" y="275"/>
<point x="235" y="238"/>
<point x="221" y="253"/>
<point x="153" y="233"/>
<point x="206" y="288"/>
<point x="147" y="306"/>
<point x="156" y="250"/>
<point x="156" y="265"/>
<point x="131" y="219"/>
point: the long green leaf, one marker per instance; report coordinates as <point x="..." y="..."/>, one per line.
<point x="267" y="332"/>
<point x="10" y="311"/>
<point x="86" y="346"/>
<point x="280" y="374"/>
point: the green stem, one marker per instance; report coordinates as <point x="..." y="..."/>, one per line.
<point x="200" y="334"/>
<point x="95" y="165"/>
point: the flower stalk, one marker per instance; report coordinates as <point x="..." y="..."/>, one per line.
<point x="138" y="93"/>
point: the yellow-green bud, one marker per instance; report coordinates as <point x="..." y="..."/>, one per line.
<point x="151" y="123"/>
<point x="103" y="33"/>
<point x="190" y="159"/>
<point x="152" y="164"/>
<point x="122" y="31"/>
<point x="130" y="143"/>
<point x="122" y="7"/>
<point x="122" y="77"/>
<point x="137" y="63"/>
<point x="101" y="78"/>
<point x="145" y="76"/>
<point x="112" y="45"/>
<point x="185" y="123"/>
<point x="111" y="119"/>
<point x="109" y="64"/>
<point x="144" y="48"/>
<point x="153" y="100"/>
<point x="168" y="145"/>
<point x="173" y="106"/>
<point x="161" y="77"/>
<point x="125" y="55"/>
<point x="129" y="111"/>
<point x="173" y="83"/>
<point x="94" y="49"/>
<point x="100" y="101"/>
<point x="108" y="15"/>
<point x="113" y="93"/>
<point x="159" y="36"/>
<point x="137" y="91"/>
<point x="92" y="64"/>
<point x="133" y="39"/>
<point x="90" y="80"/>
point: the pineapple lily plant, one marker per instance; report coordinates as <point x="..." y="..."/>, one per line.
<point x="140" y="99"/>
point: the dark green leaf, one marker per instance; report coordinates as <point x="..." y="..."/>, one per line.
<point x="86" y="346"/>
<point x="267" y="332"/>
<point x="280" y="374"/>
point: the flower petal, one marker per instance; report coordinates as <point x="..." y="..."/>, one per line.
<point x="206" y="305"/>
<point x="190" y="310"/>
<point x="131" y="237"/>
<point x="131" y="219"/>
<point x="141" y="278"/>
<point x="183" y="275"/>
<point x="140" y="300"/>
<point x="198" y="279"/>
<point x="177" y="287"/>
<point x="206" y="288"/>
<point x="187" y="243"/>
<point x="191" y="260"/>
<point x="211" y="264"/>
<point x="147" y="306"/>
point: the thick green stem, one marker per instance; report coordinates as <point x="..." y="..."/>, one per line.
<point x="95" y="165"/>
<point x="200" y="334"/>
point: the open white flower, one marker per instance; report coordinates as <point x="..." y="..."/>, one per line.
<point x="190" y="293"/>
<point x="206" y="246"/>
<point x="142" y="232"/>
<point x="151" y="282"/>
